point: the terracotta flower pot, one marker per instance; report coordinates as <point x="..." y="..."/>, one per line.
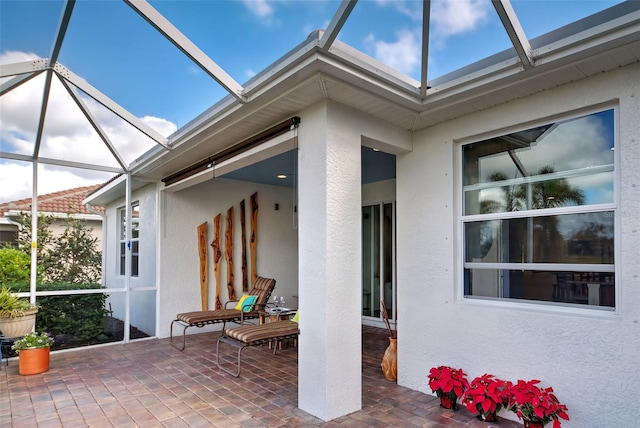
<point x="390" y="360"/>
<point x="33" y="361"/>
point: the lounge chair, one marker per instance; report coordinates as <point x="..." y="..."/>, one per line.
<point x="251" y="335"/>
<point x="262" y="288"/>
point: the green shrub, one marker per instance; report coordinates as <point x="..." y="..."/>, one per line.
<point x="15" y="265"/>
<point x="81" y="317"/>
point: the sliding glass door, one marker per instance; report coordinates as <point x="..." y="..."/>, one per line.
<point x="378" y="260"/>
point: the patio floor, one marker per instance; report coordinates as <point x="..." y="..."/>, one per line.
<point x="149" y="383"/>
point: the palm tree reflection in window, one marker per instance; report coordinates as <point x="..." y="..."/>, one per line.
<point x="546" y="243"/>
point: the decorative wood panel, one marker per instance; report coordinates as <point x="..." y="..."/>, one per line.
<point x="204" y="270"/>
<point x="245" y="279"/>
<point x="253" y="244"/>
<point x="228" y="247"/>
<point x="217" y="256"/>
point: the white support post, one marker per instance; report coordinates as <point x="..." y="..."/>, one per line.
<point x="330" y="265"/>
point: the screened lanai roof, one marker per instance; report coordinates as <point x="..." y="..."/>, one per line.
<point x="93" y="89"/>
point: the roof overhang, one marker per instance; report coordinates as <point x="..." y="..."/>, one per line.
<point x="309" y="74"/>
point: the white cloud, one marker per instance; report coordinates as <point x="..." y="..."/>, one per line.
<point x="67" y="136"/>
<point x="412" y="9"/>
<point x="450" y="18"/>
<point x="402" y="54"/>
<point x="263" y="9"/>
<point x="10" y="57"/>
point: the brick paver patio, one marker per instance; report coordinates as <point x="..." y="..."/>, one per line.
<point x="149" y="383"/>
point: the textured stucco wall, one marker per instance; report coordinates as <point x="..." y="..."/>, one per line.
<point x="590" y="358"/>
<point x="181" y="213"/>
<point x="143" y="307"/>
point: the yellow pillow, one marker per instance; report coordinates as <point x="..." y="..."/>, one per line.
<point x="246" y="303"/>
<point x="295" y="317"/>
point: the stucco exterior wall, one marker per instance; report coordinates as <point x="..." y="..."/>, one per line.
<point x="181" y="213"/>
<point x="143" y="303"/>
<point x="589" y="357"/>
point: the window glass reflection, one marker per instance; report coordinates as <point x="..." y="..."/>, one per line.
<point x="585" y="238"/>
<point x="561" y="164"/>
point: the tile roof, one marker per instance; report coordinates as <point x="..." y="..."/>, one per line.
<point x="63" y="202"/>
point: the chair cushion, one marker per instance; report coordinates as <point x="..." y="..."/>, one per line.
<point x="253" y="333"/>
<point x="246" y="303"/>
<point x="207" y="316"/>
<point x="262" y="288"/>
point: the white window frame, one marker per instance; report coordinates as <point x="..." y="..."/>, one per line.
<point x="463" y="219"/>
<point x="135" y="256"/>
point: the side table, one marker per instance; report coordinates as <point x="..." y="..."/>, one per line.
<point x="274" y="314"/>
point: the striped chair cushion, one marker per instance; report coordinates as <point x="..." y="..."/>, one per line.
<point x="198" y="317"/>
<point x="256" y="333"/>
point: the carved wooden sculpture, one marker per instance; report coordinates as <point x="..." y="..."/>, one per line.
<point x="245" y="279"/>
<point x="204" y="270"/>
<point x="217" y="256"/>
<point x="228" y="247"/>
<point x="254" y="236"/>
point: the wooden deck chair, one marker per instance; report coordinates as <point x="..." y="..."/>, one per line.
<point x="261" y="288"/>
<point x="252" y="335"/>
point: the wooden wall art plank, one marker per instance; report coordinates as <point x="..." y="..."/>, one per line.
<point x="245" y="279"/>
<point x="204" y="269"/>
<point x="253" y="244"/>
<point x="228" y="246"/>
<point x="217" y="256"/>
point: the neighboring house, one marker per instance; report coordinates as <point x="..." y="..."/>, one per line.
<point x="58" y="205"/>
<point x="504" y="236"/>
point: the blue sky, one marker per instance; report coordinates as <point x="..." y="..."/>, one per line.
<point x="121" y="55"/>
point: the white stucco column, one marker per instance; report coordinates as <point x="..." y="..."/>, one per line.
<point x="330" y="259"/>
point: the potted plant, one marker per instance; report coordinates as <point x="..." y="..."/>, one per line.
<point x="17" y="314"/>
<point x="535" y="406"/>
<point x="486" y="396"/>
<point x="448" y="384"/>
<point x="33" y="353"/>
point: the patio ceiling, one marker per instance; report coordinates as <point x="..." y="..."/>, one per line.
<point x="323" y="68"/>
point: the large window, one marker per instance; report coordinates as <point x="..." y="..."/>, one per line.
<point x="135" y="237"/>
<point x="538" y="214"/>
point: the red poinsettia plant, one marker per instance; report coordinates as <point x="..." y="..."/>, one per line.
<point x="486" y="396"/>
<point x="444" y="380"/>
<point x="534" y="404"/>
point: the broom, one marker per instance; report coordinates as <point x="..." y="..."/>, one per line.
<point x="386" y="318"/>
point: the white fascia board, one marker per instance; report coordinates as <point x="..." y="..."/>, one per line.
<point x="83" y="85"/>
<point x="102" y="191"/>
<point x="183" y="43"/>
<point x="24" y="67"/>
<point x="627" y="26"/>
<point x="376" y="69"/>
<point x="476" y="78"/>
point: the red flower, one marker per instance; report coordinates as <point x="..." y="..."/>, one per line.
<point x="486" y="395"/>
<point x="446" y="380"/>
<point x="536" y="404"/>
